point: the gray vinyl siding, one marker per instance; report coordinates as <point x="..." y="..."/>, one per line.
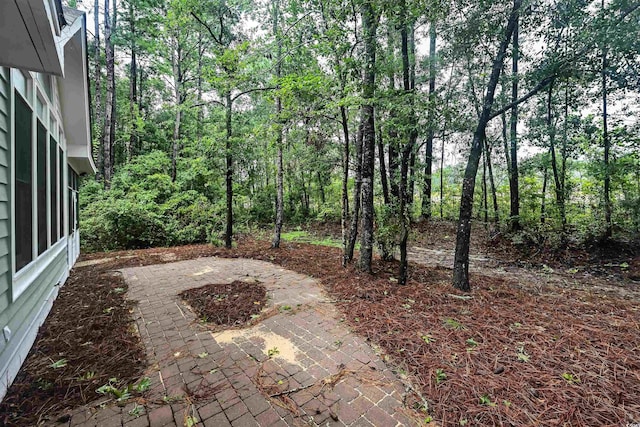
<point x="5" y="141"/>
<point x="18" y="315"/>
<point x="5" y="206"/>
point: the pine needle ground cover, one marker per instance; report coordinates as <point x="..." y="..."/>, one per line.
<point x="512" y="352"/>
<point x="87" y="341"/>
<point x="227" y="305"/>
<point x="508" y="353"/>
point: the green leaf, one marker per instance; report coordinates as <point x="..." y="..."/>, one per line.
<point x="143" y="385"/>
<point x="59" y="364"/>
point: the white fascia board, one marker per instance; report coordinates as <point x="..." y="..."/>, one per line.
<point x="74" y="98"/>
<point x="28" y="32"/>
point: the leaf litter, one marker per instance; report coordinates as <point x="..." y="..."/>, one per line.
<point x="581" y="348"/>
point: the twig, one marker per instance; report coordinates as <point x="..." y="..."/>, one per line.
<point x="293" y="390"/>
<point x="181" y="312"/>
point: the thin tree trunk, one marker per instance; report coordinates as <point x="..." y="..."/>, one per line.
<point x="357" y="196"/>
<point x="412" y="173"/>
<point x="279" y="184"/>
<point x="408" y="149"/>
<point x="108" y="136"/>
<point x="392" y="140"/>
<point x="428" y="154"/>
<point x="608" y="231"/>
<point x="494" y="197"/>
<point x="485" y="196"/>
<point x="554" y="163"/>
<point x="463" y="234"/>
<point x="228" y="238"/>
<point x="442" y="175"/>
<point x="369" y="25"/>
<point x="321" y="187"/>
<point x="383" y="169"/>
<point x="513" y="176"/>
<point x="97" y="77"/>
<point x="413" y="136"/>
<point x="505" y="142"/>
<point x="563" y="149"/>
<point x="177" y="85"/>
<point x="543" y="196"/>
<point x="133" y="86"/>
<point x="345" y="184"/>
<point x="280" y="176"/>
<point x="200" y="125"/>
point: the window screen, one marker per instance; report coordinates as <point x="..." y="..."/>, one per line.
<point x="53" y="175"/>
<point x="41" y="188"/>
<point x="24" y="189"/>
<point x="61" y="194"/>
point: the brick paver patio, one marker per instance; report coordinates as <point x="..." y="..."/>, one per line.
<point x="301" y="366"/>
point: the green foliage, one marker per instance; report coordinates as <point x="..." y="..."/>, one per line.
<point x="388" y="230"/>
<point x="144" y="208"/>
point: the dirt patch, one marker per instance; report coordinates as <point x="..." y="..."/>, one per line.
<point x="86" y="340"/>
<point x="226" y="305"/>
<point x="273" y="345"/>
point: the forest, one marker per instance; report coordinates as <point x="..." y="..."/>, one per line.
<point x="214" y="116"/>
<point x="411" y="143"/>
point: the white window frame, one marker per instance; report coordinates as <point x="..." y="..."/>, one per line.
<point x="28" y="274"/>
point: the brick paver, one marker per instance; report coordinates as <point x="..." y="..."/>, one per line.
<point x="301" y="366"/>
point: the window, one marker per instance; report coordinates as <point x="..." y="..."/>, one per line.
<point x="45" y="82"/>
<point x="38" y="173"/>
<point x="72" y="177"/>
<point x="41" y="187"/>
<point x="60" y="186"/>
<point x="23" y="182"/>
<point x="53" y="175"/>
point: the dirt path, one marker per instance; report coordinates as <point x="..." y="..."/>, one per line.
<point x="528" y="277"/>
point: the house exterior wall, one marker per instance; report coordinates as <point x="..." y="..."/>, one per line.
<point x="26" y="295"/>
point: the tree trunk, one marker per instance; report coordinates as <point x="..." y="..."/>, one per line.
<point x="513" y="170"/>
<point x="392" y="140"/>
<point x="321" y="187"/>
<point x="505" y="142"/>
<point x="463" y="234"/>
<point x="494" y="197"/>
<point x="369" y="26"/>
<point x="543" y="196"/>
<point x="133" y="86"/>
<point x="554" y="163"/>
<point x="442" y="174"/>
<point x="357" y="196"/>
<point x="608" y="231"/>
<point x="428" y="153"/>
<point x="279" y="183"/>
<point x="345" y="184"/>
<point x="563" y="150"/>
<point x="177" y="85"/>
<point x="413" y="136"/>
<point x="408" y="149"/>
<point x="280" y="176"/>
<point x="97" y="77"/>
<point x="228" y="238"/>
<point x="200" y="124"/>
<point x="383" y="169"/>
<point x="485" y="195"/>
<point x="108" y="136"/>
